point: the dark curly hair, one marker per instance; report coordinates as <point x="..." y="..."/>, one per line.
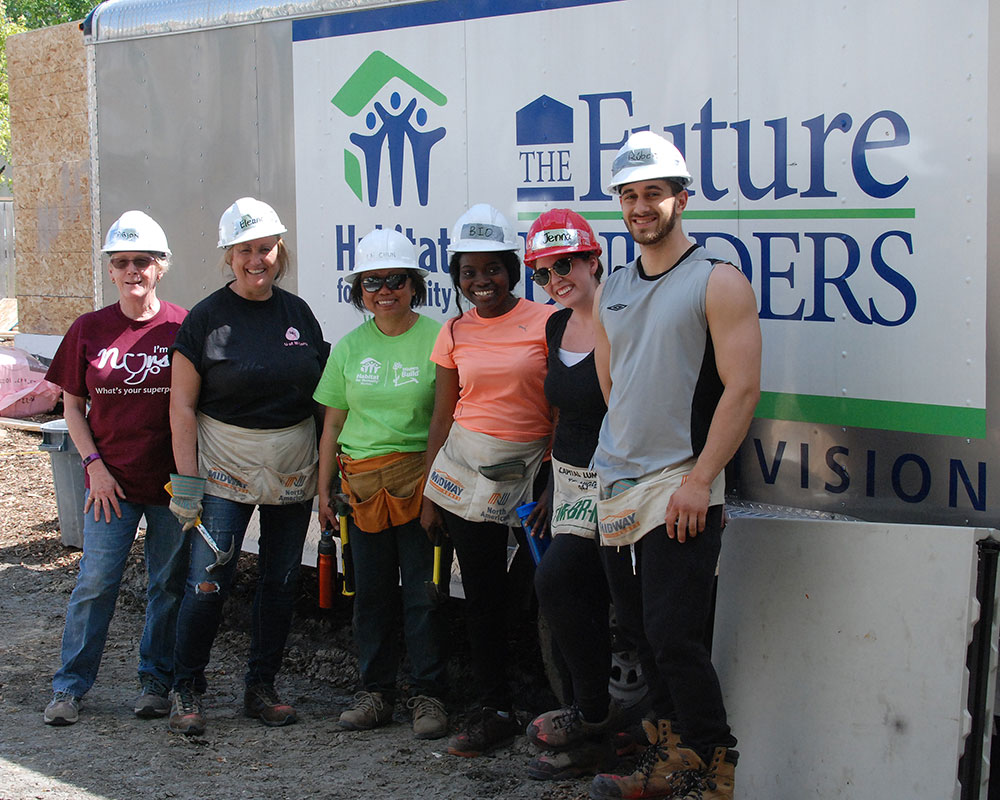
<point x="508" y="258"/>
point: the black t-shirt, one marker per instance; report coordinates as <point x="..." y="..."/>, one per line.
<point x="259" y="360"/>
<point x="576" y="392"/>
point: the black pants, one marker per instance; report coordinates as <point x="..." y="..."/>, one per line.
<point x="481" y="548"/>
<point x="572" y="590"/>
<point x="676" y="599"/>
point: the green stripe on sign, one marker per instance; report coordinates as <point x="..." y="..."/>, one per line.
<point x="881" y="415"/>
<point x="763" y="213"/>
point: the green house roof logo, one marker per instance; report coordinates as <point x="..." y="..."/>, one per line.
<point x="390" y="129"/>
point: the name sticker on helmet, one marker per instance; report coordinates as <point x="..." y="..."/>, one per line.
<point x="247" y="221"/>
<point x="127" y="234"/>
<point x="640" y="155"/>
<point x="562" y="237"/>
<point x="479" y="230"/>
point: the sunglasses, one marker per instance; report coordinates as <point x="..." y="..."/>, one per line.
<point x="141" y="262"/>
<point x="372" y="283"/>
<point x="561" y="268"/>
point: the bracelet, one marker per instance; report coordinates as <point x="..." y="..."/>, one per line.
<point x="90" y="459"/>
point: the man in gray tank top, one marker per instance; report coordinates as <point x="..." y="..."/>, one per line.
<point x="678" y="356"/>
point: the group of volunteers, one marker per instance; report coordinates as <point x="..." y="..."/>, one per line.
<point x="616" y="409"/>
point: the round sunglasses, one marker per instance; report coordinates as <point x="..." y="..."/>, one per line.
<point x="373" y="283"/>
<point x="560" y="267"/>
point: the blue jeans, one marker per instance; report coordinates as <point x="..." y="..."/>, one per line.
<point x="282" y="534"/>
<point x="381" y="562"/>
<point x="106" y="546"/>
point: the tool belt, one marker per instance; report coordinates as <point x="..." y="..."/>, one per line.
<point x="628" y="516"/>
<point x="574" y="500"/>
<point x="384" y="490"/>
<point x="481" y="478"/>
<point x="266" y="466"/>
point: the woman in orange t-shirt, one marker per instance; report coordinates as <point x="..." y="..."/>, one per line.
<point x="489" y="434"/>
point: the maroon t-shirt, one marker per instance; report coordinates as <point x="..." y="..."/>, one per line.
<point x="123" y="368"/>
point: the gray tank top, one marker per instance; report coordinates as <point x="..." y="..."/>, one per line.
<point x="665" y="385"/>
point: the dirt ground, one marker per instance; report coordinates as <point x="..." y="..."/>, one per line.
<point x="112" y="754"/>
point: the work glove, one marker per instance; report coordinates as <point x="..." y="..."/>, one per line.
<point x="186" y="492"/>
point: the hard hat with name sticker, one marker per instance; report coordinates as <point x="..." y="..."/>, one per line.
<point x="135" y="231"/>
<point x="482" y="229"/>
<point x="645" y="156"/>
<point x="557" y="232"/>
<point x="384" y="248"/>
<point x="248" y="219"/>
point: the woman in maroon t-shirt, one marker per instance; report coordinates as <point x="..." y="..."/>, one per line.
<point x="116" y="359"/>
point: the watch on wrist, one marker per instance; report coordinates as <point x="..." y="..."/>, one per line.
<point x="90" y="459"/>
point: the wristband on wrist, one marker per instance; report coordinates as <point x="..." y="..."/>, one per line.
<point x="91" y="459"/>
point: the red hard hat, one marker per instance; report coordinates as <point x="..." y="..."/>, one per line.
<point x="557" y="232"/>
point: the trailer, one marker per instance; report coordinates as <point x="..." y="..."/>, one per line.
<point x="842" y="158"/>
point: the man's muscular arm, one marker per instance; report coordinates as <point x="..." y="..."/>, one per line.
<point x="734" y="326"/>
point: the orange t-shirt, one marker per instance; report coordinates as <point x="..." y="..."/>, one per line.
<point x="501" y="363"/>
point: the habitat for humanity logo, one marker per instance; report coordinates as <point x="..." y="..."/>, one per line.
<point x="390" y="129"/>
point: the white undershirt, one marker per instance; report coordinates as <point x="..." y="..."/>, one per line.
<point x="571" y="358"/>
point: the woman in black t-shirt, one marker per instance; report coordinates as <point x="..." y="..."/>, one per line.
<point x="245" y="364"/>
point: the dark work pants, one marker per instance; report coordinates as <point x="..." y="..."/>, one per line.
<point x="481" y="548"/>
<point x="676" y="599"/>
<point x="572" y="590"/>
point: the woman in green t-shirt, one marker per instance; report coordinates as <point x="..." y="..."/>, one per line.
<point x="378" y="389"/>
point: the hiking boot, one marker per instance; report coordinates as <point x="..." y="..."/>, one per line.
<point x="261" y="702"/>
<point x="186" y="715"/>
<point x="585" y="759"/>
<point x="565" y="728"/>
<point x="654" y="774"/>
<point x="712" y="782"/>
<point x="63" y="709"/>
<point x="153" y="701"/>
<point x="484" y="731"/>
<point x="430" y="720"/>
<point x="370" y="710"/>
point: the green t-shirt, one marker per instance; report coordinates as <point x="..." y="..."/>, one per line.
<point x="386" y="385"/>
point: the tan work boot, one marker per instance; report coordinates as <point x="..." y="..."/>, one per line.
<point x="700" y="782"/>
<point x="654" y="773"/>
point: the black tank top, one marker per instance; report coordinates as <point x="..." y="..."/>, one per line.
<point x="576" y="392"/>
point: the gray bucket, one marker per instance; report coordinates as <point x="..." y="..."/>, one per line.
<point x="68" y="478"/>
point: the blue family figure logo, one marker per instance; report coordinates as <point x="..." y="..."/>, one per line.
<point x="392" y="126"/>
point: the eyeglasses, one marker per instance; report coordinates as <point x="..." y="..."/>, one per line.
<point x="561" y="268"/>
<point x="141" y="262"/>
<point x="372" y="283"/>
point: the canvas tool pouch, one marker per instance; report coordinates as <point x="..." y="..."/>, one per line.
<point x="266" y="466"/>
<point x="481" y="478"/>
<point x="384" y="490"/>
<point x="625" y="518"/>
<point x="574" y="500"/>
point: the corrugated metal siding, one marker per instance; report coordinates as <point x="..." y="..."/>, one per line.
<point x="115" y="20"/>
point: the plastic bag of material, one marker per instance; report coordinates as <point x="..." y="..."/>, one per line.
<point x="23" y="388"/>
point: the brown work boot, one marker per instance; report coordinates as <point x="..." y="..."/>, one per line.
<point x="653" y="776"/>
<point x="261" y="702"/>
<point x="712" y="782"/>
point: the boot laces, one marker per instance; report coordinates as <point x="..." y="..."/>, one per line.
<point x="187" y="702"/>
<point x="570" y="718"/>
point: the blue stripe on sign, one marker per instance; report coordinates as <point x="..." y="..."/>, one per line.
<point x="543" y="193"/>
<point x="412" y="15"/>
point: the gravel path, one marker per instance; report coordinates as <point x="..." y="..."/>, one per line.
<point x="112" y="754"/>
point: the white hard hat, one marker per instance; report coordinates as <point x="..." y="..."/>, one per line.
<point x="384" y="248"/>
<point x="482" y="229"/>
<point x="135" y="231"/>
<point x="248" y="219"/>
<point x="645" y="156"/>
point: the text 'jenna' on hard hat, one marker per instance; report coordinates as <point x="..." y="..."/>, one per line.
<point x="137" y="232"/>
<point x="557" y="232"/>
<point x="248" y="219"/>
<point x="384" y="248"/>
<point x="645" y="156"/>
<point x="482" y="229"/>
